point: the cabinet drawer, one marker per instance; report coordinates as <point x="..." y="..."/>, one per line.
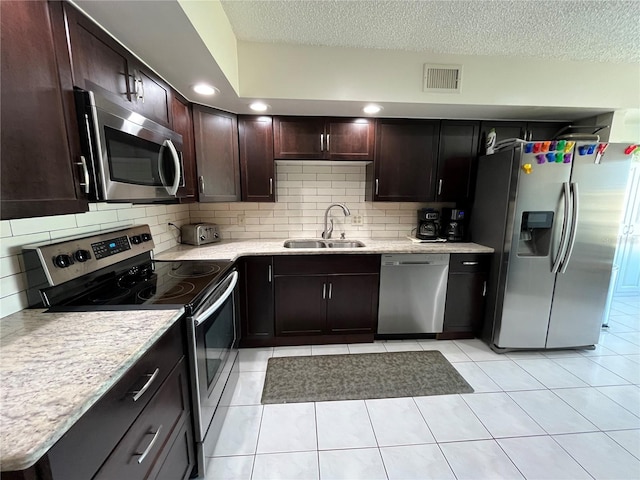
<point x="145" y="442"/>
<point x="79" y="453"/>
<point x="469" y="262"/>
<point x="325" y="264"/>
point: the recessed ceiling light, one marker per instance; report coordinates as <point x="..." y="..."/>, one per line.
<point x="205" y="89"/>
<point x="371" y="109"/>
<point x="259" y="107"/>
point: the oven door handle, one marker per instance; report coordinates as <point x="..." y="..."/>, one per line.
<point x="204" y="315"/>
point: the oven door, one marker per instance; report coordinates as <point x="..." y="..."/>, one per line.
<point x="131" y="157"/>
<point x="213" y="335"/>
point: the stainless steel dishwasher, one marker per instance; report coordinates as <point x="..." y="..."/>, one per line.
<point x="413" y="290"/>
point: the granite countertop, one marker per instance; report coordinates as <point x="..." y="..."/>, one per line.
<point x="55" y="366"/>
<point x="233" y="249"/>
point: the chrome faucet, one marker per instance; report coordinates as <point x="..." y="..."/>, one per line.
<point x="326" y="234"/>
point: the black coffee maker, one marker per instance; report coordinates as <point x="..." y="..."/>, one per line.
<point x="454" y="224"/>
<point x="428" y="224"/>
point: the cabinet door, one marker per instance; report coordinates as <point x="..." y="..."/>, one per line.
<point x="457" y="155"/>
<point x="39" y="130"/>
<point x="99" y="62"/>
<point x="352" y="303"/>
<point x="256" y="292"/>
<point x="180" y="460"/>
<point x="216" y="138"/>
<point x="255" y="138"/>
<point x="300" y="304"/>
<point x="183" y="124"/>
<point x="298" y="137"/>
<point x="152" y="97"/>
<point x="464" y="307"/>
<point x="350" y="139"/>
<point x="504" y="130"/>
<point x="405" y="161"/>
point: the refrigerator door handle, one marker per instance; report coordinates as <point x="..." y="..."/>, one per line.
<point x="565" y="229"/>
<point x="574" y="226"/>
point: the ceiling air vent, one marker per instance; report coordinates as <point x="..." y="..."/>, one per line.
<point x="442" y="78"/>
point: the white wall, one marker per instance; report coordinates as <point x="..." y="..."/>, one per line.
<point x="16" y="233"/>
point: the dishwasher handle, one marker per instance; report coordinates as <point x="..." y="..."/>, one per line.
<point x="396" y="264"/>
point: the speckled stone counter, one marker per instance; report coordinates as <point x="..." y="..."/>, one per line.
<point x="233" y="249"/>
<point x="55" y="366"/>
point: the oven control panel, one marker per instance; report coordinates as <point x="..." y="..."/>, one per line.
<point x="68" y="258"/>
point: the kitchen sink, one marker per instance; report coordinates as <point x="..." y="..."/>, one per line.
<point x="323" y="244"/>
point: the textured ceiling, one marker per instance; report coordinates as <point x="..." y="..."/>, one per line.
<point x="601" y="31"/>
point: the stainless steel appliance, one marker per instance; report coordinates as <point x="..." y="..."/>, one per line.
<point x="114" y="270"/>
<point x="428" y="224"/>
<point x="413" y="290"/>
<point x="454" y="224"/>
<point x="127" y="157"/>
<point x="199" y="233"/>
<point x="551" y="211"/>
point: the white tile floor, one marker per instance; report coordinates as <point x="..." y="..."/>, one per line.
<point x="551" y="415"/>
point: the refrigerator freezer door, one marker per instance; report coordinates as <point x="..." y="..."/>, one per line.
<point x="581" y="292"/>
<point x="530" y="280"/>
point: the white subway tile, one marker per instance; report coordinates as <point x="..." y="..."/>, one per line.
<point x="302" y="220"/>
<point x="244" y="206"/>
<point x="283" y="191"/>
<point x="332" y="177"/>
<point x="226" y="213"/>
<point x="345" y="198"/>
<point x="26" y="226"/>
<point x="331" y="191"/>
<point x="281" y="177"/>
<point x="273" y="235"/>
<point x="323" y="169"/>
<point x="346" y="184"/>
<point x="112" y="225"/>
<point x="281" y="228"/>
<point x="13" y="304"/>
<point x="132" y="213"/>
<point x="288" y="169"/>
<point x="302" y="176"/>
<point x="274" y="221"/>
<point x="252" y="220"/>
<point x="243" y="235"/>
<point x="384" y="234"/>
<point x="13" y="245"/>
<point x="213" y="206"/>
<point x="5" y="229"/>
<point x="72" y="232"/>
<point x="113" y="206"/>
<point x="96" y="218"/>
<point x="355" y="177"/>
<point x="10" y="265"/>
<point x="258" y="214"/>
<point x="318" y="198"/>
<point x="290" y="184"/>
<point x="258" y="228"/>
<point x="273" y="206"/>
<point x="156" y="210"/>
<point x="12" y="284"/>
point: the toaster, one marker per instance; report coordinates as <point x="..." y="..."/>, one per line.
<point x="200" y="233"/>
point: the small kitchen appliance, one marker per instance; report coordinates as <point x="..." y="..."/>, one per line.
<point x="454" y="224"/>
<point x="199" y="233"/>
<point x="428" y="224"/>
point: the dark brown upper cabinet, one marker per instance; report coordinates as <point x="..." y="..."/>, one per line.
<point x="404" y="168"/>
<point x="308" y="138"/>
<point x="257" y="173"/>
<point x="457" y="156"/>
<point x="216" y="139"/>
<point x="102" y="64"/>
<point x="40" y="145"/>
<point x="183" y="124"/>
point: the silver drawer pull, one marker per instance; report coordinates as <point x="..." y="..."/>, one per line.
<point x="144" y="454"/>
<point x="470" y="263"/>
<point x="138" y="393"/>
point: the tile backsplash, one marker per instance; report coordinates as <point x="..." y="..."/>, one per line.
<point x="303" y="192"/>
<point x="101" y="216"/>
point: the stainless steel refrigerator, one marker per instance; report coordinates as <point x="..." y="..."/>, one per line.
<point x="551" y="211"/>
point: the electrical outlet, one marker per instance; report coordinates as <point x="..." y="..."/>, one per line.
<point x="357" y="220"/>
<point x="241" y="219"/>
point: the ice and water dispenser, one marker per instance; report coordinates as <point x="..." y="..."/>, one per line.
<point x="535" y="234"/>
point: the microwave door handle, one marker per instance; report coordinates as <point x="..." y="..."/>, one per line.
<point x="173" y="189"/>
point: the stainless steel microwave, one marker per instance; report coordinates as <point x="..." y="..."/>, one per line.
<point x="127" y="157"/>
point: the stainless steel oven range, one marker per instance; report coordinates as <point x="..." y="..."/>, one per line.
<point x="114" y="270"/>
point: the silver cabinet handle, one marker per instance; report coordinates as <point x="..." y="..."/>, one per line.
<point x="138" y="393"/>
<point x="470" y="263"/>
<point x="322" y="142"/>
<point x="271" y="186"/>
<point x="324" y="291"/>
<point x="269" y="274"/>
<point x="327" y="142"/>
<point x="201" y="184"/>
<point x="574" y="226"/>
<point x="484" y="289"/>
<point x="85" y="173"/>
<point x="440" y="186"/>
<point x="146" y="451"/>
<point x="330" y="290"/>
<point x="377" y="184"/>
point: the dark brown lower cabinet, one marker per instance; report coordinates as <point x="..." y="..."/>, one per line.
<point x="128" y="434"/>
<point x="318" y="298"/>
<point x="466" y="289"/>
<point x="256" y="294"/>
